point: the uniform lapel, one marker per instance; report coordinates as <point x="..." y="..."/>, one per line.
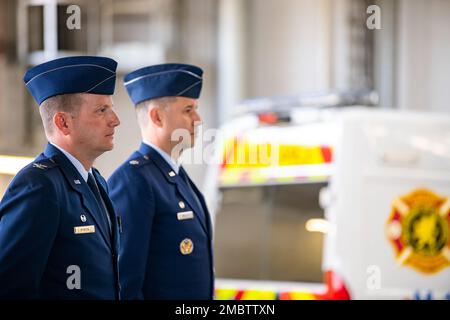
<point x="103" y="190"/>
<point x="203" y="204"/>
<point x="185" y="192"/>
<point x="77" y="183"/>
<point x="174" y="178"/>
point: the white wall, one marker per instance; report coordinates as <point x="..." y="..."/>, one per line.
<point x="423" y="55"/>
<point x="272" y="47"/>
<point x="288" y="46"/>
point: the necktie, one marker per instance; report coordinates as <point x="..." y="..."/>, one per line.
<point x="95" y="190"/>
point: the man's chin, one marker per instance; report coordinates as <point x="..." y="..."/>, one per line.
<point x="107" y="147"/>
<point x="188" y="145"/>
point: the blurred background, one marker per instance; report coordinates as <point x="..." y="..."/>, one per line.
<point x="249" y="50"/>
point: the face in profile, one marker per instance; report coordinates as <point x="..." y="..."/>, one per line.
<point x="181" y="119"/>
<point x="95" y="123"/>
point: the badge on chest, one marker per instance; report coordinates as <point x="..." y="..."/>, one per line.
<point x="84" y="229"/>
<point x="185" y="215"/>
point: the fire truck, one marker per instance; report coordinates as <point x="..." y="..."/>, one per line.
<point x="328" y="197"/>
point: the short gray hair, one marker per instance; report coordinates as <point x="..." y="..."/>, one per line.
<point x="64" y="102"/>
<point x="142" y="108"/>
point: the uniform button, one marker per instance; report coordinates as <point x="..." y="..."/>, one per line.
<point x="181" y="204"/>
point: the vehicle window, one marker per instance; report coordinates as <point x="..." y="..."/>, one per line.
<point x="260" y="233"/>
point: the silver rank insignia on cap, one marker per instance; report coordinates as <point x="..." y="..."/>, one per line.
<point x="77" y="181"/>
<point x="83" y="218"/>
<point x="134" y="162"/>
<point x="172" y="174"/>
<point x="39" y="166"/>
<point x="186" y="246"/>
<point x="181" y="204"/>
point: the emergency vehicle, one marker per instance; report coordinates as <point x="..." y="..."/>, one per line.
<point x="375" y="182"/>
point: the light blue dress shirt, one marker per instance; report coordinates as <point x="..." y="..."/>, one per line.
<point x="76" y="163"/>
<point x="165" y="156"/>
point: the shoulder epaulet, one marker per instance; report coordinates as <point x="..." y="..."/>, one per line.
<point x="139" y="161"/>
<point x="44" y="164"/>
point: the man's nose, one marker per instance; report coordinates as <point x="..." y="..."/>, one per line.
<point x="197" y="117"/>
<point x="115" y="119"/>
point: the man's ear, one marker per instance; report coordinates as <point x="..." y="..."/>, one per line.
<point x="156" y="116"/>
<point x="63" y="122"/>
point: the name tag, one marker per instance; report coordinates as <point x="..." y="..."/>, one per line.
<point x="84" y="229"/>
<point x="184" y="215"/>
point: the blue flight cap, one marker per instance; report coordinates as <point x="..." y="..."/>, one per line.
<point x="81" y="74"/>
<point x="164" y="80"/>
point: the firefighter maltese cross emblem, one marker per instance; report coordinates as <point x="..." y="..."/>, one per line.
<point x="418" y="229"/>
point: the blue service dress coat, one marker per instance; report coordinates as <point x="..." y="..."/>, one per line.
<point x="39" y="213"/>
<point x="166" y="242"/>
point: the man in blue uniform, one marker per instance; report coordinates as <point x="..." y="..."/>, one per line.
<point x="58" y="231"/>
<point x="166" y="244"/>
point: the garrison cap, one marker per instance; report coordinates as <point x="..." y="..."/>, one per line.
<point x="164" y="80"/>
<point x="77" y="74"/>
